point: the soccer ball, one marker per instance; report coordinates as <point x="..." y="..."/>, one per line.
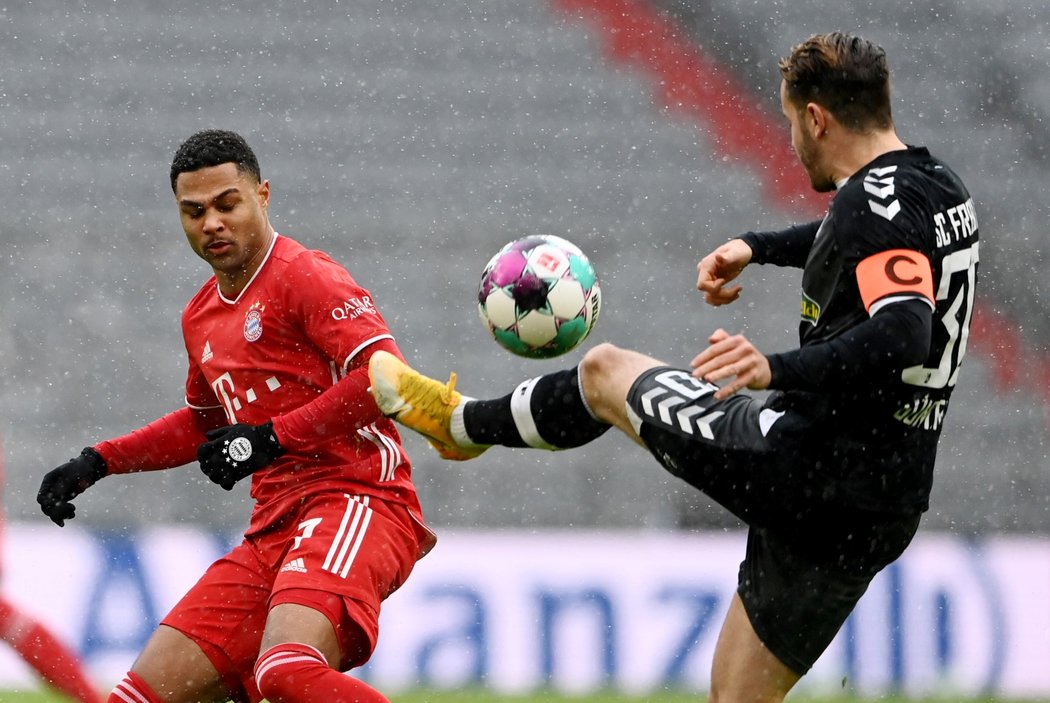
<point x="539" y="296"/>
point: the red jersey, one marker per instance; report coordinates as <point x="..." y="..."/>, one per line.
<point x="292" y="333"/>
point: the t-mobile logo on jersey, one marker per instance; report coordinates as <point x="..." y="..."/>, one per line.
<point x="230" y="398"/>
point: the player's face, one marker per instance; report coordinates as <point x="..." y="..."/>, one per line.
<point x="805" y="143"/>
<point x="223" y="213"/>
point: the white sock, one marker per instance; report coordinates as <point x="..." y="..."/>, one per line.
<point x="457" y="426"/>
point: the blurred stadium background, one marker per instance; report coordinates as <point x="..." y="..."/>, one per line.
<point x="411" y="140"/>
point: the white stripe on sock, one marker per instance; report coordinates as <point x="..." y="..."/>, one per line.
<point x="273" y="658"/>
<point x="126" y="691"/>
<point x="521" y="411"/>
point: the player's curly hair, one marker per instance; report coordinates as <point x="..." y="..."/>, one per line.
<point x="847" y="75"/>
<point x="212" y="147"/>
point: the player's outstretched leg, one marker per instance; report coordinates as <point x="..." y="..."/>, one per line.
<point x="547" y="412"/>
<point x="420" y="403"/>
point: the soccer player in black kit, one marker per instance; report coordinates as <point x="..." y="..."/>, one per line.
<point x="833" y="469"/>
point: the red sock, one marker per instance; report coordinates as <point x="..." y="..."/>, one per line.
<point x="56" y="663"/>
<point x="133" y="690"/>
<point x="291" y="673"/>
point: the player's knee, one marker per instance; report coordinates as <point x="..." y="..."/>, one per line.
<point x="599" y="355"/>
<point x="606" y="360"/>
<point x="606" y="372"/>
<point x="284" y="670"/>
<point x="599" y="363"/>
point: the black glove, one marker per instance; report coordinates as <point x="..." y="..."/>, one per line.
<point x="65" y="483"/>
<point x="237" y="451"/>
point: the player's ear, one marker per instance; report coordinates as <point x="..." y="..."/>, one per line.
<point x="816" y="120"/>
<point x="264" y="193"/>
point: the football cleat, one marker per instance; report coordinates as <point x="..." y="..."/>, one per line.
<point x="419" y="403"/>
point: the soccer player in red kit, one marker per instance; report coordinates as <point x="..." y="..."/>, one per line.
<point x="40" y="648"/>
<point x="278" y="344"/>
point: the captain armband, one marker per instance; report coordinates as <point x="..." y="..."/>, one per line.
<point x="893" y="275"/>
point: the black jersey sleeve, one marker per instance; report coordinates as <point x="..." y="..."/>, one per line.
<point x="787" y="247"/>
<point x="896" y="337"/>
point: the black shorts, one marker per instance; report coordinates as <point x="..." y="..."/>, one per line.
<point x="811" y="552"/>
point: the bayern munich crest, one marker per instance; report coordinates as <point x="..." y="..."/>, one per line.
<point x="253" y="324"/>
<point x="240" y="449"/>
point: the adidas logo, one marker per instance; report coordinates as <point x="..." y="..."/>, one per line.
<point x="295" y="565"/>
<point x="206" y="356"/>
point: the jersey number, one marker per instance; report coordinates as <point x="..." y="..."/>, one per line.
<point x="958" y="276"/>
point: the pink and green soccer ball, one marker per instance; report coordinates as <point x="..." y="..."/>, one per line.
<point x="539" y="296"/>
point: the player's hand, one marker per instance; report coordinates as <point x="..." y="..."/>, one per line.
<point x="65" y="483"/>
<point x="719" y="268"/>
<point x="236" y="451"/>
<point x="732" y="356"/>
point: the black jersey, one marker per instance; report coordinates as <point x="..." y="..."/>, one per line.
<point x="903" y="207"/>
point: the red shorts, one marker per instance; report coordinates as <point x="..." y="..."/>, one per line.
<point x="338" y="554"/>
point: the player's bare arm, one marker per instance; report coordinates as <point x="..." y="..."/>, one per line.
<point x="732" y="356"/>
<point x="720" y="267"/>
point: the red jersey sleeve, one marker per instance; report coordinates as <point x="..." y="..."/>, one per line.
<point x="165" y="443"/>
<point x="343" y="408"/>
<point x="198" y="393"/>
